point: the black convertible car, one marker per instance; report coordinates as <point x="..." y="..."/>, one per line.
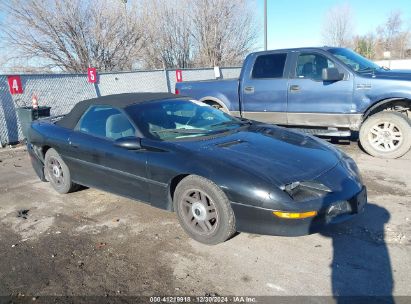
<point x="220" y="174"/>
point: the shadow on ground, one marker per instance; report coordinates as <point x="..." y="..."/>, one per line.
<point x="361" y="263"/>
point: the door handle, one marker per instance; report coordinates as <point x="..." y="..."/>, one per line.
<point x="73" y="145"/>
<point x="249" y="90"/>
<point x="294" y="88"/>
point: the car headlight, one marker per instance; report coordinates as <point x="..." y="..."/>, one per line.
<point x="345" y="159"/>
<point x="305" y="190"/>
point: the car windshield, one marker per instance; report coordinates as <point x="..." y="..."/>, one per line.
<point x="357" y="62"/>
<point x="180" y="118"/>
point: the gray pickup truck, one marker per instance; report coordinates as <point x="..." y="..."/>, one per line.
<point x="325" y="91"/>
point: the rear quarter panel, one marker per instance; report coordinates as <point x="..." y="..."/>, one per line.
<point x="43" y="133"/>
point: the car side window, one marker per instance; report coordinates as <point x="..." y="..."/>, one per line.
<point x="108" y="122"/>
<point x="311" y="65"/>
<point x="269" y="66"/>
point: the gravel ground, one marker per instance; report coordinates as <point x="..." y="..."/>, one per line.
<point x="95" y="243"/>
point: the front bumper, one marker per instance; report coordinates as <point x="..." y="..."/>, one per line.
<point x="259" y="220"/>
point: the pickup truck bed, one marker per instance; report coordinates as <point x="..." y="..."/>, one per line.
<point x="223" y="91"/>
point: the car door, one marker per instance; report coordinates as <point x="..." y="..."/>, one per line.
<point x="264" y="88"/>
<point x="96" y="161"/>
<point x="312" y="101"/>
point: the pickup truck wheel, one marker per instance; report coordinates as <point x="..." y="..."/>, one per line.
<point x="216" y="105"/>
<point x="203" y="210"/>
<point x="57" y="173"/>
<point x="386" y="135"/>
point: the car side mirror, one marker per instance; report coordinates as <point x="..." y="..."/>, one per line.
<point x="332" y="74"/>
<point x="129" y="143"/>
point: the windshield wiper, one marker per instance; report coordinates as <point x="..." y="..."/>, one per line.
<point x="367" y="69"/>
<point x="202" y="131"/>
<point x="182" y="131"/>
<point x="233" y="122"/>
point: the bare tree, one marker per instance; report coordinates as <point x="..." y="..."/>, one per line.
<point x="391" y="29"/>
<point x="338" y="26"/>
<point x="224" y="31"/>
<point x="394" y="37"/>
<point x="72" y="34"/>
<point x="111" y="35"/>
<point x="366" y="45"/>
<point x="169" y="43"/>
<point x="188" y="33"/>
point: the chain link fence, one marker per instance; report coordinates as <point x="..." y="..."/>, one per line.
<point x="62" y="91"/>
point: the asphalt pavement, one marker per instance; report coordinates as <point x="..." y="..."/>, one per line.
<point x="94" y="243"/>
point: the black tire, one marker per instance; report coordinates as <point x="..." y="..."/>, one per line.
<point x="57" y="173"/>
<point x="386" y="135"/>
<point x="195" y="198"/>
<point x="217" y="106"/>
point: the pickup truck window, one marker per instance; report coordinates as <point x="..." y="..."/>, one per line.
<point x="269" y="66"/>
<point x="310" y="65"/>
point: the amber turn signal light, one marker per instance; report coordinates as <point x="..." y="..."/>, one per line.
<point x="295" y="215"/>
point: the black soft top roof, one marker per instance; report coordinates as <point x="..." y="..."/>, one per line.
<point x="119" y="101"/>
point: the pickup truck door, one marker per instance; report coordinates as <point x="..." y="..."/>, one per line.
<point x="263" y="88"/>
<point x="314" y="102"/>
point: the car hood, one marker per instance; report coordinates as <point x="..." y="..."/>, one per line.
<point x="278" y="155"/>
<point x="393" y="74"/>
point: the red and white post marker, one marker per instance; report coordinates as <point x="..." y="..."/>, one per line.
<point x="179" y="75"/>
<point x="34" y="102"/>
<point x="15" y="85"/>
<point x="92" y="75"/>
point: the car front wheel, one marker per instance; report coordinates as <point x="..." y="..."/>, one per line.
<point x="386" y="135"/>
<point x="203" y="210"/>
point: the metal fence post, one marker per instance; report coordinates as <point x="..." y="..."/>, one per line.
<point x="97" y="89"/>
<point x="167" y="80"/>
<point x="8" y="117"/>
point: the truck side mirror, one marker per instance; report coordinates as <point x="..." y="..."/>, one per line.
<point x="332" y="74"/>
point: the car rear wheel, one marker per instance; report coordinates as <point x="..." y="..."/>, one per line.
<point x="386" y="135"/>
<point x="203" y="210"/>
<point x="57" y="172"/>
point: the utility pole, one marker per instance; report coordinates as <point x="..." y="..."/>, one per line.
<point x="126" y="26"/>
<point x="125" y="14"/>
<point x="265" y="25"/>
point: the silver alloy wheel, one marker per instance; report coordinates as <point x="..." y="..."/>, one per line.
<point x="385" y="137"/>
<point x="55" y="171"/>
<point x="199" y="212"/>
